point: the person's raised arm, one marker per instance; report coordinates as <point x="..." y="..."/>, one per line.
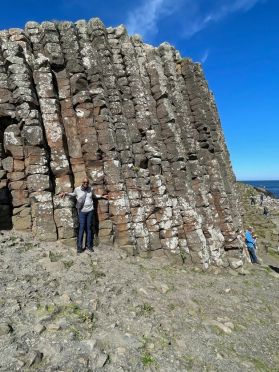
<point x="98" y="196"/>
<point x="63" y="194"/>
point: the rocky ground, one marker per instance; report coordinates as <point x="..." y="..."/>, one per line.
<point x="107" y="311"/>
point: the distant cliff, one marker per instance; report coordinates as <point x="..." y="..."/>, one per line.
<point x="80" y="99"/>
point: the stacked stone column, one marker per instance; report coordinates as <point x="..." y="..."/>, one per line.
<point x="47" y="89"/>
<point x="20" y="85"/>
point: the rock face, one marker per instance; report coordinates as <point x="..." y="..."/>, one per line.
<point x="80" y="99"/>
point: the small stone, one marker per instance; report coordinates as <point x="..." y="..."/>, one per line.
<point x="39" y="328"/>
<point x="34" y="358"/>
<point x="101" y="360"/>
<point x="5" y="328"/>
<point x="229" y="324"/>
<point x="53" y="327"/>
<point x="123" y="255"/>
<point x="274" y="275"/>
<point x="244" y="272"/>
<point x="235" y="264"/>
<point x="222" y="327"/>
<point x="20" y="364"/>
<point x="164" y="288"/>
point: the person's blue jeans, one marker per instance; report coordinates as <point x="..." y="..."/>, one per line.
<point x="252" y="253"/>
<point x="85" y="226"/>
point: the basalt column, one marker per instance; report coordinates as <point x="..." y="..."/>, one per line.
<point x="79" y="99"/>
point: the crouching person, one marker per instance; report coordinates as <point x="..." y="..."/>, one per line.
<point x="84" y="195"/>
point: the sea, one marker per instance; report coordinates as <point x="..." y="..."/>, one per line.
<point x="272" y="186"/>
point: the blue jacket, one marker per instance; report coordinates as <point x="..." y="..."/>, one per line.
<point x="250" y="242"/>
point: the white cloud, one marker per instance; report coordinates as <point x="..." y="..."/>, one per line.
<point x="191" y="16"/>
<point x="198" y="18"/>
<point x="204" y="57"/>
<point x="144" y="19"/>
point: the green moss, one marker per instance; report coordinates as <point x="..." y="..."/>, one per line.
<point x="66" y="311"/>
<point x="218" y="331"/>
<point x="77" y="333"/>
<point x="97" y="273"/>
<point x="96" y="240"/>
<point x="54" y="257"/>
<point x="46" y="309"/>
<point x="27" y="246"/>
<point x="75" y="311"/>
<point x="184" y="255"/>
<point x="68" y="264"/>
<point x="260" y="365"/>
<point x="273" y="253"/>
<point x="171" y="306"/>
<point x="189" y="360"/>
<point x="147" y="359"/>
<point x="145" y="309"/>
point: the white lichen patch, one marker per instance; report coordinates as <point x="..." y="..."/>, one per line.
<point x="171" y="243"/>
<point x="96" y="174"/>
<point x="53" y="132"/>
<point x="122" y="203"/>
<point x="11" y="139"/>
<point x="80" y="113"/>
<point x="41" y="197"/>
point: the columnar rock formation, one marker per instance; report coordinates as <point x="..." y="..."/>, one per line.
<point x="80" y="99"/>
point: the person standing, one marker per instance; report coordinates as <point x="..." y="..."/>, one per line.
<point x="265" y="211"/>
<point x="252" y="200"/>
<point x="251" y="245"/>
<point x="84" y="195"/>
<point x="261" y="199"/>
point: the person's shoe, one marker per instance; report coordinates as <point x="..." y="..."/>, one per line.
<point x="79" y="250"/>
<point x="90" y="249"/>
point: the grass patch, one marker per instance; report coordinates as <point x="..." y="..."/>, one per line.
<point x="145" y="309"/>
<point x="28" y="246"/>
<point x="54" y="257"/>
<point x="97" y="273"/>
<point x="66" y="311"/>
<point x="75" y="311"/>
<point x="96" y="240"/>
<point x="171" y="306"/>
<point x="273" y="253"/>
<point x="260" y="365"/>
<point x="189" y="360"/>
<point x="76" y="332"/>
<point x="147" y="359"/>
<point x="68" y="264"/>
<point x="46" y="309"/>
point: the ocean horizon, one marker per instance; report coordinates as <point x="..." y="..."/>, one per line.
<point x="269" y="185"/>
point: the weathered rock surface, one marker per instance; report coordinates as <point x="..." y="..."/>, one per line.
<point x="80" y="99"/>
<point x="110" y="312"/>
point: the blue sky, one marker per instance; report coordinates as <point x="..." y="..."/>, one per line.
<point x="236" y="40"/>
